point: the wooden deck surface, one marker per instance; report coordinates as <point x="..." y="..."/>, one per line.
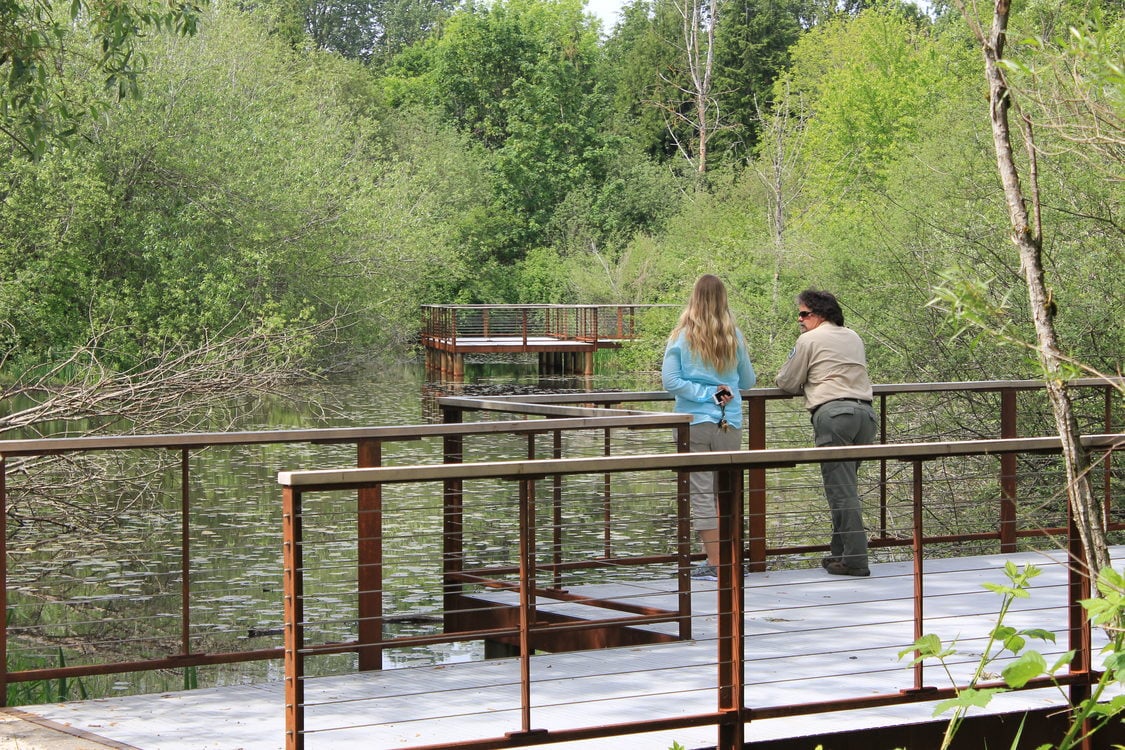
<point x="809" y="637"/>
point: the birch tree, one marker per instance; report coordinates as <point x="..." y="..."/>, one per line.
<point x="1022" y="199"/>
<point x="698" y="108"/>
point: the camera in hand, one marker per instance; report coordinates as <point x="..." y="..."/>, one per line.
<point x="720" y="393"/>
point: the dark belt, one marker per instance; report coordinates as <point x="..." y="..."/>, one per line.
<point x="853" y="400"/>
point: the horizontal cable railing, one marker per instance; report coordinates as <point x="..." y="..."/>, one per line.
<point x="531" y="625"/>
<point x="195" y="606"/>
<point x="185" y="616"/>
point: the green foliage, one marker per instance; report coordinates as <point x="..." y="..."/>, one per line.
<point x="39" y="40"/>
<point x="753" y="40"/>
<point x="869" y="80"/>
<point x="44" y="691"/>
<point x="216" y="204"/>
<point x="368" y="30"/>
<point x="510" y="152"/>
<point x="641" y="58"/>
<point x="520" y="78"/>
<point x="1106" y="611"/>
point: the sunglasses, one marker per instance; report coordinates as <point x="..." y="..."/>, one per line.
<point x="802" y="314"/>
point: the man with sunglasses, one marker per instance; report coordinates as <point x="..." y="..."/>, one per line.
<point x="829" y="366"/>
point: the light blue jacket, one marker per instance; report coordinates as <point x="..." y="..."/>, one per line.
<point x="694" y="383"/>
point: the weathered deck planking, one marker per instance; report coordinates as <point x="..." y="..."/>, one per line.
<point x="809" y="637"/>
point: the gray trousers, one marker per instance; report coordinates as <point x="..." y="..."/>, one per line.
<point x="844" y="423"/>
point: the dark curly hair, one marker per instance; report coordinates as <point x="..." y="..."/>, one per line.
<point x="823" y="304"/>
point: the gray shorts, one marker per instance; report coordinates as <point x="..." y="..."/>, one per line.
<point x="706" y="436"/>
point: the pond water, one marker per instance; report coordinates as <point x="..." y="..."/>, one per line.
<point x="94" y="568"/>
<point x="95" y="575"/>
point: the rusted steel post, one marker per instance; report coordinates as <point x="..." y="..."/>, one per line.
<point x="731" y="644"/>
<point x="756" y="486"/>
<point x="523" y="325"/>
<point x="683" y="535"/>
<point x="1008" y="429"/>
<point x="883" y="467"/>
<point x="453" y="552"/>
<point x="607" y="497"/>
<point x="1107" y="463"/>
<point x="369" y="551"/>
<point x="185" y="553"/>
<point x="527" y="595"/>
<point x="1080" y="632"/>
<point x="294" y="615"/>
<point x="917" y="545"/>
<point x="3" y="580"/>
<point x="557" y="524"/>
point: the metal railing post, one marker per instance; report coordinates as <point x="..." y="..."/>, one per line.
<point x="557" y="524"/>
<point x="917" y="544"/>
<point x="607" y="498"/>
<point x="185" y="553"/>
<point x="369" y="553"/>
<point x="756" y="486"/>
<point x="527" y="599"/>
<point x="731" y="643"/>
<point x="883" y="467"/>
<point x="683" y="534"/>
<point x="3" y="580"/>
<point x="1079" y="579"/>
<point x="1107" y="463"/>
<point x="1008" y="483"/>
<point x="294" y="615"/>
<point x="453" y="498"/>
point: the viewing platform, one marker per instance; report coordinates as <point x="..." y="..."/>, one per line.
<point x="565" y="337"/>
<point x="519" y="574"/>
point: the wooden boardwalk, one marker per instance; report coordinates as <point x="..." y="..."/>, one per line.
<point x="809" y="637"/>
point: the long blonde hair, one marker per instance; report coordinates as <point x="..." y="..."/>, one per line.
<point x="708" y="324"/>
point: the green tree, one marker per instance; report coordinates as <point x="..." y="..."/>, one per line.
<point x="753" y="40"/>
<point x="40" y="39"/>
<point x="639" y="60"/>
<point x="870" y="80"/>
<point x="1023" y="199"/>
<point x="258" y="188"/>
<point x="521" y="78"/>
<point x="369" y="30"/>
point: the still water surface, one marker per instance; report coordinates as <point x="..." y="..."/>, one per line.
<point x="100" y="580"/>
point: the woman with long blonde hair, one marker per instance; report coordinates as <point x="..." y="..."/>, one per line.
<point x="706" y="366"/>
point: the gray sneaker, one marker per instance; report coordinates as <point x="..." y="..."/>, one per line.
<point x="704" y="573"/>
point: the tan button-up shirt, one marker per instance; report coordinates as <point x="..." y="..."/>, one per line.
<point x="828" y="362"/>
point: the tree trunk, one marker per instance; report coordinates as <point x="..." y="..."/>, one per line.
<point x="699" y="18"/>
<point x="1027" y="236"/>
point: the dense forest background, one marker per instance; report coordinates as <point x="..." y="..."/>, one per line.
<point x="306" y="173"/>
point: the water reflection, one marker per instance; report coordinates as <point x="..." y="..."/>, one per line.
<point x="98" y="577"/>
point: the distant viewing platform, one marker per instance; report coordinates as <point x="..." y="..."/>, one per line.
<point x="564" y="336"/>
